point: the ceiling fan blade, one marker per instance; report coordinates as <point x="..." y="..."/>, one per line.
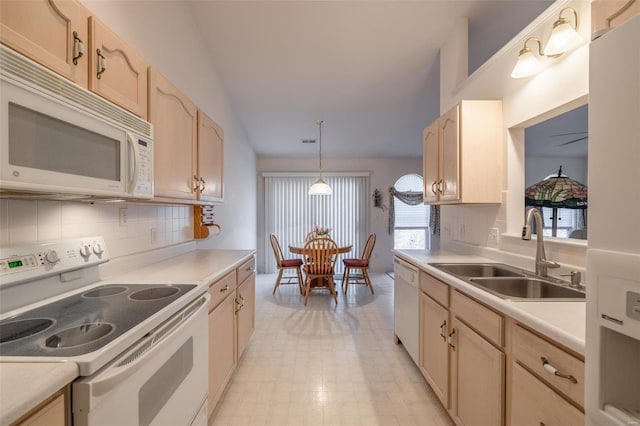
<point x="567" y="134"/>
<point x="574" y="141"/>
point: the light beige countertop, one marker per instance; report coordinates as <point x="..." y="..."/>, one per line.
<point x="23" y="386"/>
<point x="561" y="321"/>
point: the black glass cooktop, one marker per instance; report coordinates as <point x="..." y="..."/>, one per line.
<point x="86" y="321"/>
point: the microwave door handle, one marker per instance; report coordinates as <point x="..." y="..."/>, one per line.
<point x="134" y="175"/>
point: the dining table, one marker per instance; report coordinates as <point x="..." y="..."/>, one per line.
<point x="299" y="248"/>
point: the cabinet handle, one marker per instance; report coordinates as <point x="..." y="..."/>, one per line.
<point x="451" y="339"/>
<point x="196" y="186"/>
<point x="442" y="188"/>
<point x="226" y="287"/>
<point x="249" y="268"/>
<point x="443" y="328"/>
<point x="551" y="369"/>
<point x="239" y="305"/>
<point x="102" y="64"/>
<point x="433" y="188"/>
<point x="202" y="186"/>
<point x="78" y="48"/>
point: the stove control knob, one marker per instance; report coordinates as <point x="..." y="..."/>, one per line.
<point x="85" y="251"/>
<point x="97" y="249"/>
<point x="51" y="257"/>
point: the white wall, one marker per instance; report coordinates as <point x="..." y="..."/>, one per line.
<point x="165" y="34"/>
<point x="383" y="174"/>
<point x="561" y="86"/>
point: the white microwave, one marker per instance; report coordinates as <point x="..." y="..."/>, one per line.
<point x="58" y="138"/>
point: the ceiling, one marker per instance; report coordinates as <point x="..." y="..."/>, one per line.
<point x="565" y="135"/>
<point x="370" y="69"/>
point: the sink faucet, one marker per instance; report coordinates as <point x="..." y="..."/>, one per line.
<point x="542" y="264"/>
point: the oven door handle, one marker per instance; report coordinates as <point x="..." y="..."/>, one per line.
<point x="142" y="350"/>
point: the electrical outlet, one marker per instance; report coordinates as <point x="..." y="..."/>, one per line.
<point x="493" y="235"/>
<point x="122" y="213"/>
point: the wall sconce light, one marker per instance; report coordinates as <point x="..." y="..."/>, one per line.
<point x="564" y="37"/>
<point x="527" y="63"/>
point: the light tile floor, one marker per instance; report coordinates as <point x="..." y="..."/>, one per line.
<point x="323" y="364"/>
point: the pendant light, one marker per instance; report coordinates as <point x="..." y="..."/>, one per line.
<point x="320" y="187"/>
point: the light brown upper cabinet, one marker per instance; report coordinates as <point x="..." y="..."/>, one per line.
<point x="53" y="33"/>
<point x="116" y="71"/>
<point x="175" y="121"/>
<point x="210" y="159"/>
<point x="430" y="160"/>
<point x="607" y="14"/>
<point x="462" y="155"/>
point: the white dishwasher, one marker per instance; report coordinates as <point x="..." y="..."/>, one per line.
<point x="406" y="306"/>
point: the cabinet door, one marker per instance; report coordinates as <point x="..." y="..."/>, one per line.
<point x="175" y="121"/>
<point x="245" y="312"/>
<point x="430" y="162"/>
<point x="210" y="158"/>
<point x="116" y="71"/>
<point x="450" y="155"/>
<point x="51" y="414"/>
<point x="51" y="32"/>
<point x="535" y="404"/>
<point x="434" y="350"/>
<point x="222" y="356"/>
<point x="478" y="379"/>
<point x="607" y="14"/>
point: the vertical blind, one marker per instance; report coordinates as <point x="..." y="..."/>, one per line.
<point x="290" y="212"/>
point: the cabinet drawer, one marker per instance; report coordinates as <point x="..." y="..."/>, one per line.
<point x="533" y="403"/>
<point x="221" y="288"/>
<point x="435" y="288"/>
<point x="528" y="349"/>
<point x="245" y="270"/>
<point x="482" y="319"/>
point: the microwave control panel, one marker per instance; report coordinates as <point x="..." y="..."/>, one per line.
<point x="144" y="162"/>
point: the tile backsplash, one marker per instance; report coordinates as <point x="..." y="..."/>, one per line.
<point x="127" y="227"/>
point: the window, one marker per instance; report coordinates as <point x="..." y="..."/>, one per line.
<point x="290" y="212"/>
<point x="411" y="230"/>
<point x="567" y="221"/>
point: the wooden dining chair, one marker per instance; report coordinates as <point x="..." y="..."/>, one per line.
<point x="286" y="264"/>
<point x="356" y="271"/>
<point x="320" y="256"/>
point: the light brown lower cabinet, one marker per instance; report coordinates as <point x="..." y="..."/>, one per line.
<point x="245" y="312"/>
<point x="535" y="404"/>
<point x="434" y="349"/>
<point x="51" y="413"/>
<point x="222" y="355"/>
<point x="487" y="369"/>
<point x="478" y="378"/>
<point x="231" y="325"/>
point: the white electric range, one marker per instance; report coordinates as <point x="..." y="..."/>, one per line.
<point x="141" y="348"/>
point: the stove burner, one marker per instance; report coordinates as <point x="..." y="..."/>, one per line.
<point x="105" y="291"/>
<point x="86" y="321"/>
<point x="19" y="329"/>
<point x="80" y="335"/>
<point x="154" y="293"/>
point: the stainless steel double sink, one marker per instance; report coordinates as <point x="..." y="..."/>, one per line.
<point x="511" y="283"/>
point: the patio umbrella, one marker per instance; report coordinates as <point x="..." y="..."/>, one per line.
<point x="557" y="192"/>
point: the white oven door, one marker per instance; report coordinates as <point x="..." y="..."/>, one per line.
<point x="162" y="380"/>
